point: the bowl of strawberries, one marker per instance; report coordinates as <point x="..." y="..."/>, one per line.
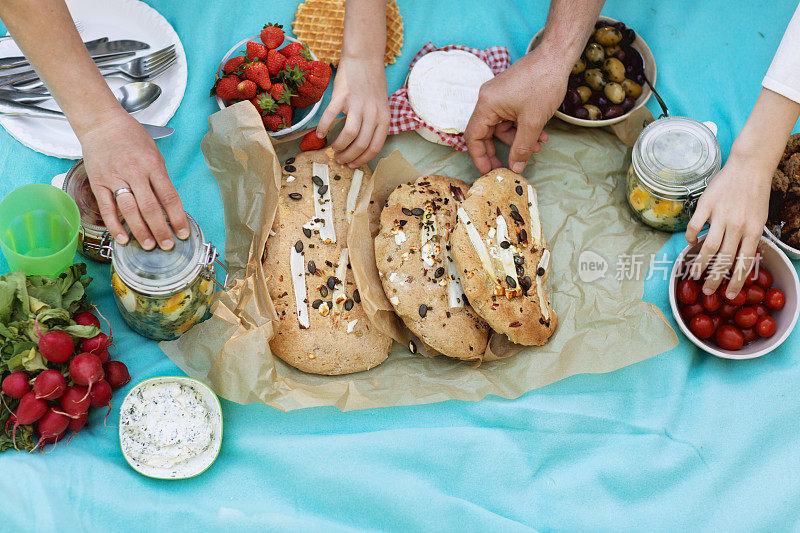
<point x="750" y="325"/>
<point x="278" y="74"/>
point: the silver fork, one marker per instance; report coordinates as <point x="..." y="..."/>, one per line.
<point x="142" y="68"/>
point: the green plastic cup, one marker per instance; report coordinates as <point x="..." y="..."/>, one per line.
<point x="39" y="226"/>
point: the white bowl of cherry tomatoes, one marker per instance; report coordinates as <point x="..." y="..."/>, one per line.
<point x="754" y="323"/>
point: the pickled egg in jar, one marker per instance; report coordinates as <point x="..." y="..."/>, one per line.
<point x="671" y="164"/>
<point x="162" y="294"/>
<point x="92" y="230"/>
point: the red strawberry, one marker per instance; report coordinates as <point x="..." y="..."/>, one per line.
<point x="258" y="73"/>
<point x="227" y="88"/>
<point x="276" y="62"/>
<point x="285" y="110"/>
<point x="292" y="76"/>
<point x="264" y="103"/>
<point x="232" y="66"/>
<point x="319" y="74"/>
<point x="273" y="122"/>
<point x="280" y="93"/>
<point x="272" y="35"/>
<point x="294" y="49"/>
<point x="256" y="51"/>
<point x="307" y="88"/>
<point x="303" y="101"/>
<point x="247" y="89"/>
<point x="293" y="61"/>
<point x="312" y="142"/>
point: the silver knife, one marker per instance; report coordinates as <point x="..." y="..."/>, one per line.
<point x="26" y="76"/>
<point x="7" y="107"/>
<point x="97" y="49"/>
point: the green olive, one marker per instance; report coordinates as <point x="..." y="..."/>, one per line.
<point x="608" y="36"/>
<point x="614" y="92"/>
<point x="594" y="111"/>
<point x="614" y="69"/>
<point x="613" y="49"/>
<point x="579" y="67"/>
<point x="594" y="78"/>
<point x="594" y="53"/>
<point x="631" y="88"/>
<point x="584" y="92"/>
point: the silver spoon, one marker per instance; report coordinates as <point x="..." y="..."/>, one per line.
<point x="131" y="96"/>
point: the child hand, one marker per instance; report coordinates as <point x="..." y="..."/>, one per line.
<point x="736" y="205"/>
<point x="359" y="91"/>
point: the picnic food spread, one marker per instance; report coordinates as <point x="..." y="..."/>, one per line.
<point x="784" y="212"/>
<point x="608" y="77"/>
<point x="161" y="294"/>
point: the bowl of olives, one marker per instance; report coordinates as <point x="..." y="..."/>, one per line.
<point x="607" y="83"/>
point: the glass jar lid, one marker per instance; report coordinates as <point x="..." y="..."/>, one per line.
<point x="675" y="157"/>
<point x="157" y="272"/>
<point x="76" y="184"/>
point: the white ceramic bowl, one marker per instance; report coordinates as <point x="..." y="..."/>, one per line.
<point x="784" y="277"/>
<point x="301" y="116"/>
<point x="794" y="253"/>
<point x="649" y="68"/>
<point x="196" y="465"/>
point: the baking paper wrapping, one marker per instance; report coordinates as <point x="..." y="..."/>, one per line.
<point x="603" y="324"/>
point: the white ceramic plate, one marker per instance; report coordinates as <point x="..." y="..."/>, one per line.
<point x="115" y="19"/>
<point x="196" y="465"/>
<point x="301" y="116"/>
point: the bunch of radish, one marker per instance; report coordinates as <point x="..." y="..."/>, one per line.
<point x="58" y="399"/>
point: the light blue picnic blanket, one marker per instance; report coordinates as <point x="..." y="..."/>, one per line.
<point x="680" y="441"/>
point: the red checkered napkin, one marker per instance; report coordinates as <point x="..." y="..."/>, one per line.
<point x="404" y="118"/>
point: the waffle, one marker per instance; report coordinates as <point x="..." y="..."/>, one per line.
<point x="319" y="24"/>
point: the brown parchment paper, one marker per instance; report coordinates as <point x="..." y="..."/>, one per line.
<point x="603" y="324"/>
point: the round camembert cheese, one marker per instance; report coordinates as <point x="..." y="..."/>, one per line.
<point x="443" y="88"/>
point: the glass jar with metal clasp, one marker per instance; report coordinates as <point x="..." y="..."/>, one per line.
<point x="672" y="162"/>
<point x="92" y="228"/>
<point x="162" y="294"/>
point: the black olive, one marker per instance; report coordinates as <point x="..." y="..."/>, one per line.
<point x="289" y="168"/>
<point x="312" y="267"/>
<point x="540" y="271"/>
<point x="518" y="190"/>
<point x="406" y="211"/>
<point x="295" y="196"/>
<point x="298" y="246"/>
<point x="336" y="177"/>
<point x="511" y="282"/>
<point x="289" y="161"/>
<point x="348" y="304"/>
<point x="423" y="310"/>
<point x="316" y="304"/>
<point x="417" y="211"/>
<point x="523" y="235"/>
<point x="514" y="208"/>
<point x="331" y="283"/>
<point x="323" y="291"/>
<point x="517" y="217"/>
<point x="317" y="181"/>
<point x="322" y="190"/>
<point x="357" y="296"/>
<point x="505" y="244"/>
<point x="307" y="232"/>
<point x="439" y="272"/>
<point x="519" y="260"/>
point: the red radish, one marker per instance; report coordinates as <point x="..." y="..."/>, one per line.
<point x="101" y="394"/>
<point x="51" y="426"/>
<point x="49" y="384"/>
<point x="16" y="385"/>
<point x="11" y="420"/>
<point x="86" y="369"/>
<point x="75" y="401"/>
<point x="104" y="356"/>
<point x="117" y="374"/>
<point x="52" y="440"/>
<point x="86" y="319"/>
<point x="56" y="346"/>
<point x="96" y="344"/>
<point x="29" y="410"/>
<point x="76" y="424"/>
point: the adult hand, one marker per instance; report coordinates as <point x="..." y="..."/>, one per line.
<point x="514" y="107"/>
<point x="736" y="205"/>
<point x="359" y="91"/>
<point x="118" y="153"/>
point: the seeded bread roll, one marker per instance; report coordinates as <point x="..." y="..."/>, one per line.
<point x="321" y="326"/>
<point x="502" y="257"/>
<point x="417" y="271"/>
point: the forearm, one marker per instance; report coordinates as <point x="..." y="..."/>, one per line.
<point x="763" y="138"/>
<point x="59" y="56"/>
<point x="365" y="30"/>
<point x="569" y="24"/>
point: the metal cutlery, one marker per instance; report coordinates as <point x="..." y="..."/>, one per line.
<point x="96" y="49"/>
<point x="28" y="76"/>
<point x="133" y="96"/>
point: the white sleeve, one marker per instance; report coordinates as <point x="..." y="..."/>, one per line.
<point x="783" y="76"/>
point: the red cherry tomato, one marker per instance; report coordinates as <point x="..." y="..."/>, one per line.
<point x="737" y="300"/>
<point x="688" y="311"/>
<point x="755" y="294"/>
<point x="761" y="310"/>
<point x="749" y="335"/>
<point x="729" y="337"/>
<point x="716" y="320"/>
<point x="702" y="326"/>
<point x="746" y="317"/>
<point x="766" y="326"/>
<point x="711" y="302"/>
<point x="774" y="299"/>
<point x="727" y="310"/>
<point x="688" y="291"/>
<point x="761" y="277"/>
